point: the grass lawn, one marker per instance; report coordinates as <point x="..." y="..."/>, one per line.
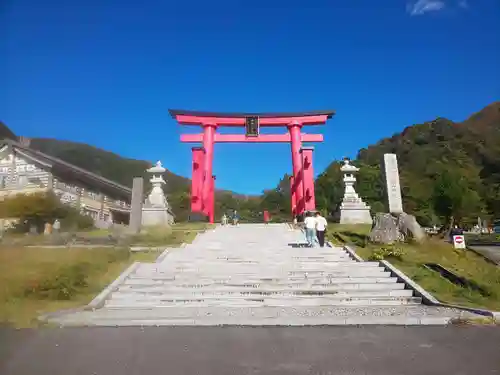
<point x="38" y="280"/>
<point x="462" y="262"/>
<point x="171" y="237"/>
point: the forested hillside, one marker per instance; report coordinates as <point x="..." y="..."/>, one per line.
<point x="446" y="168"/>
<point x="6" y="133"/>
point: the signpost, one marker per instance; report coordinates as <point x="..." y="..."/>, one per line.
<point x="459" y="242"/>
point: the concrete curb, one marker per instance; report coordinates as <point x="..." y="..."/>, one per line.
<point x="136" y="249"/>
<point x="163" y="255"/>
<point x="271" y="323"/>
<point x="165" y="252"/>
<point x="48" y="317"/>
<point x="353" y="254"/>
<point x="427" y="297"/>
<point x="477" y="252"/>
<point x="99" y="300"/>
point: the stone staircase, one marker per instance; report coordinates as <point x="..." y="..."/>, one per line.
<point x="259" y="275"/>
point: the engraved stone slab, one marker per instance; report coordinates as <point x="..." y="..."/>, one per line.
<point x="393" y="187"/>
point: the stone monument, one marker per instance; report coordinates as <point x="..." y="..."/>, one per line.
<point x="393" y="187"/>
<point x="352" y="210"/>
<point x="395" y="225"/>
<point x="136" y="205"/>
<point x="156" y="210"/>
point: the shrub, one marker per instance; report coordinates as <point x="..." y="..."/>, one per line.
<point x="387" y="252"/>
<point x="62" y="285"/>
<point x="72" y="219"/>
<point x="39" y="208"/>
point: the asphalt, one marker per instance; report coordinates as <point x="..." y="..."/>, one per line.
<point x="490" y="252"/>
<point x="221" y="351"/>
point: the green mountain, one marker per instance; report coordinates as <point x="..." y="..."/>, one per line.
<point x="6" y="133"/>
<point x="103" y="163"/>
<point x="446" y="169"/>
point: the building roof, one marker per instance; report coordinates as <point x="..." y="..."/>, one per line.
<point x="175" y="112"/>
<point x="84" y="175"/>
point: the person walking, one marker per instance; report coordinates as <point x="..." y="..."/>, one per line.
<point x="236" y="218"/>
<point x="321" y="225"/>
<point x="56" y="226"/>
<point x="224" y="219"/>
<point x="266" y="217"/>
<point x="310" y="225"/>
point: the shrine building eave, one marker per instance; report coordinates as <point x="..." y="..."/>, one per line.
<point x="185" y="117"/>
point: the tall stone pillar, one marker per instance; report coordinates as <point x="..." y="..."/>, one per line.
<point x="136" y="205"/>
<point x="197" y="180"/>
<point x="393" y="187"/>
<point x="208" y="145"/>
<point x="296" y="145"/>
<point x="308" y="178"/>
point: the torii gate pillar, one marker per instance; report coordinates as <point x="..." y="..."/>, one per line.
<point x="308" y="178"/>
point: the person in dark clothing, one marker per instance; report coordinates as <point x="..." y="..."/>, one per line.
<point x="321" y="225"/>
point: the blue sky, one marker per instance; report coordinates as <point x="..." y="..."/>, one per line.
<point x="105" y="72"/>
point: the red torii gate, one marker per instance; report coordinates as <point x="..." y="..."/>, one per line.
<point x="203" y="181"/>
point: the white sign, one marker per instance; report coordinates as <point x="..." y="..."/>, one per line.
<point x="393" y="186"/>
<point x="459" y="242"/>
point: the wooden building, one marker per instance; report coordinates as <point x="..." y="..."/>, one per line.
<point x="25" y="170"/>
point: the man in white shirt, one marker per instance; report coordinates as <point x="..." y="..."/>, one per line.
<point x="310" y="225"/>
<point x="321" y="225"/>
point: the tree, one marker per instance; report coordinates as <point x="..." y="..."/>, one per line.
<point x="34" y="209"/>
<point x="454" y="199"/>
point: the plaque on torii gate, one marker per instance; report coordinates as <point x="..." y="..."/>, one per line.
<point x="202" y="184"/>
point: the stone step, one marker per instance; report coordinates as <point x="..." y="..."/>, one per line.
<point x="245" y="270"/>
<point x="262" y="316"/>
<point x="230" y="263"/>
<point x="117" y="320"/>
<point x="127" y="303"/>
<point x="305" y="274"/>
<point x="252" y="282"/>
<point x="165" y="294"/>
<point x="274" y="252"/>
<point x="252" y="288"/>
<point x="321" y="260"/>
<point x="351" y="264"/>
<point x="311" y="276"/>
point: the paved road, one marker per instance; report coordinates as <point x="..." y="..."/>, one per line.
<point x="490" y="252"/>
<point x="221" y="351"/>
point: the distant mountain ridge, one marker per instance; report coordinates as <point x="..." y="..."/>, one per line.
<point x="470" y="150"/>
<point x="122" y="170"/>
<point x="104" y="163"/>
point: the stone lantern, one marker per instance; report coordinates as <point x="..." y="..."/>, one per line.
<point x="156" y="210"/>
<point x="352" y="210"/>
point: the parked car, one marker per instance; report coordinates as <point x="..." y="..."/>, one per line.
<point x="496" y="226"/>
